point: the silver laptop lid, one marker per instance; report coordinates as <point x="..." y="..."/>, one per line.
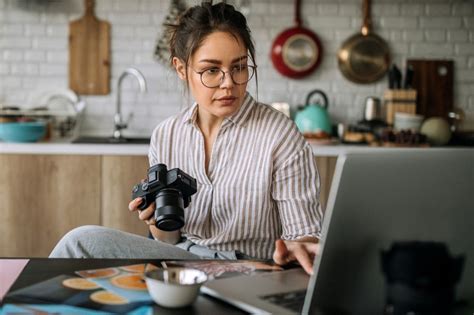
<point x="379" y="198"/>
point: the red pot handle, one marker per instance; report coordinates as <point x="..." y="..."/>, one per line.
<point x="297" y="13"/>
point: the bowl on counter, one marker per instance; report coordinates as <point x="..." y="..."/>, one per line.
<point x="22" y="131"/>
<point x="406" y="121"/>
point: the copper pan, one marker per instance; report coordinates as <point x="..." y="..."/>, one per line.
<point x="364" y="57"/>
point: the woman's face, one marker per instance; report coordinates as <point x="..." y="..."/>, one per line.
<point x="218" y="51"/>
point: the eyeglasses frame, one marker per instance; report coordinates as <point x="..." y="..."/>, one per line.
<point x="223" y="76"/>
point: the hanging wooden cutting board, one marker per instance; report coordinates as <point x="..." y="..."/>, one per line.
<point x="89" y="53"/>
<point x="433" y="80"/>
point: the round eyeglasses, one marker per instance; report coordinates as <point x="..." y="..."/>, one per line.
<point x="214" y="77"/>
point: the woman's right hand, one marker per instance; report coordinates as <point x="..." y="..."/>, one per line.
<point x="144" y="215"/>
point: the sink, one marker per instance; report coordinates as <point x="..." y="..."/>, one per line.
<point x="111" y="140"/>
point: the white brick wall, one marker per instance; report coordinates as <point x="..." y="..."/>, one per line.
<point x="33" y="52"/>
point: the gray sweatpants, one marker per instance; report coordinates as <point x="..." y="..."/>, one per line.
<point x="92" y="241"/>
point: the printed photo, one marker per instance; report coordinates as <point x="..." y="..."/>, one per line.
<point x="124" y="284"/>
<point x="225" y="268"/>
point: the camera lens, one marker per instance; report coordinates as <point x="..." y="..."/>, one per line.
<point x="169" y="214"/>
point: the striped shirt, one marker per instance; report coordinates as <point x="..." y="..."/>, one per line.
<point x="262" y="182"/>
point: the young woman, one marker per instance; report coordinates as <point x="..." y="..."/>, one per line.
<point x="258" y="185"/>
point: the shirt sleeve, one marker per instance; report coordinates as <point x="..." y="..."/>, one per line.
<point x="152" y="151"/>
<point x="295" y="189"/>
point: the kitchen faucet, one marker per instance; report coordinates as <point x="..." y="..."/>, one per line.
<point x="119" y="124"/>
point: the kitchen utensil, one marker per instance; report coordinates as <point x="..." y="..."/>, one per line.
<point x="391" y="79"/>
<point x="24" y="131"/>
<point x="89" y="53"/>
<point x="372" y="109"/>
<point x="341" y="130"/>
<point x="433" y="80"/>
<point x="399" y="101"/>
<point x="372" y="123"/>
<point x="58" y="101"/>
<point x="314" y="117"/>
<point x="408" y="82"/>
<point x="174" y="287"/>
<point x="63" y="106"/>
<point x="394" y="78"/>
<point x="297" y="51"/>
<point x="364" y="57"/>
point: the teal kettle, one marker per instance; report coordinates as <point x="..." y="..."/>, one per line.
<point x="314" y="117"/>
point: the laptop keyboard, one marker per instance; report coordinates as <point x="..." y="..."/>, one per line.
<point x="290" y="300"/>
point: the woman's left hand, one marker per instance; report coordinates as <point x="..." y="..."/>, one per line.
<point x="303" y="251"/>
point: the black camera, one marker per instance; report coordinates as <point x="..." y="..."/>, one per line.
<point x="171" y="190"/>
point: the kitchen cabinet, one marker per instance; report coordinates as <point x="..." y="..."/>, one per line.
<point x="119" y="174"/>
<point x="43" y="196"/>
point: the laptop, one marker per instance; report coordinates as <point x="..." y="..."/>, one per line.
<point x="375" y="200"/>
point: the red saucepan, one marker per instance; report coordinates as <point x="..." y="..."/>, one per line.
<point x="296" y="52"/>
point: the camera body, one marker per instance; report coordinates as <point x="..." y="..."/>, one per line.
<point x="171" y="190"/>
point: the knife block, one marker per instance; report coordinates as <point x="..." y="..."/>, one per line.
<point x="399" y="101"/>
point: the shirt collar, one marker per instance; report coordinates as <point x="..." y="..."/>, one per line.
<point x="191" y="114"/>
<point x="237" y="118"/>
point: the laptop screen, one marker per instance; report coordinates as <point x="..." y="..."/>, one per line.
<point x="380" y="198"/>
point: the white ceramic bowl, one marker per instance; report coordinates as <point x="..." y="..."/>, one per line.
<point x="405" y="121"/>
<point x="174" y="287"/>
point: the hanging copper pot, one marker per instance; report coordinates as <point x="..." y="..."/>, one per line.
<point x="364" y="57"/>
